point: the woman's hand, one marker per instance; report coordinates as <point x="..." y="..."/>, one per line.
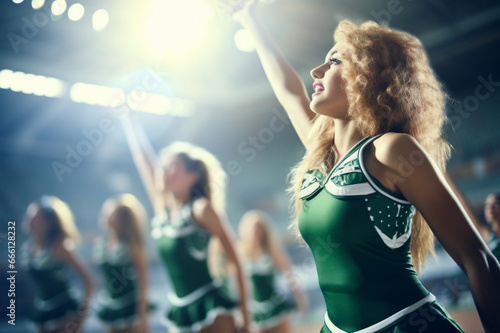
<point x="245" y="11"/>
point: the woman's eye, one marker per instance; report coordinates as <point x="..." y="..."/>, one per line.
<point x="334" y="61"/>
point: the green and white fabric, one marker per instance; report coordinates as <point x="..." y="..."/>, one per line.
<point x="55" y="302"/>
<point x="196" y="299"/>
<point x="269" y="305"/>
<point x="118" y="303"/>
<point x="359" y="234"/>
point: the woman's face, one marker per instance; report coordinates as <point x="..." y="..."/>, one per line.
<point x="492" y="209"/>
<point x="258" y="232"/>
<point x="34" y="220"/>
<point x="329" y="98"/>
<point x="175" y="177"/>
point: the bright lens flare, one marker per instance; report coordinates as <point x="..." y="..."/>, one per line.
<point x="244" y="41"/>
<point x="76" y="11"/>
<point x="37" y="4"/>
<point x="30" y="83"/>
<point x="177" y="26"/>
<point x="58" y="7"/>
<point x="100" y="19"/>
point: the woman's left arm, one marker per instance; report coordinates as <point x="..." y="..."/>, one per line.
<point x="282" y="262"/>
<point x="65" y="252"/>
<point x="417" y="177"/>
<point x="205" y="215"/>
<point x="139" y="261"/>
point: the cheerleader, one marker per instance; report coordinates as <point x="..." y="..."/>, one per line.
<point x="123" y="262"/>
<point x="50" y="259"/>
<point x="186" y="187"/>
<point x="264" y="259"/>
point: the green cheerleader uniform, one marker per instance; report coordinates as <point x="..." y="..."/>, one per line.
<point x="55" y="302"/>
<point x="359" y="234"/>
<point x="269" y="305"/>
<point x="119" y="302"/>
<point x="493" y="242"/>
<point x="196" y="299"/>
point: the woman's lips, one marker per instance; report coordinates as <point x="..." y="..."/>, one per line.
<point x="318" y="88"/>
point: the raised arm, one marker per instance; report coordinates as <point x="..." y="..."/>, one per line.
<point x="427" y="189"/>
<point x="205" y="215"/>
<point x="144" y="158"/>
<point x="285" y="82"/>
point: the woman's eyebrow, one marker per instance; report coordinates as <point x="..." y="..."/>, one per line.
<point x="330" y="56"/>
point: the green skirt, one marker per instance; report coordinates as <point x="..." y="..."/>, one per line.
<point x="52" y="313"/>
<point x="271" y="312"/>
<point x="191" y="314"/>
<point x="429" y="318"/>
<point x="118" y="312"/>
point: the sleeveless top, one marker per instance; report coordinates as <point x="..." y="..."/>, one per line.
<point x="359" y="234"/>
<point x="120" y="305"/>
<point x="262" y="275"/>
<point x="55" y="300"/>
<point x="269" y="304"/>
<point x="183" y="248"/>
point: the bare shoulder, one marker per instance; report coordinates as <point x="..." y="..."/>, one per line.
<point x="391" y="148"/>
<point x="204" y="214"/>
<point x="390" y="155"/>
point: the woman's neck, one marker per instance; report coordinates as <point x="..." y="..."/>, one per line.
<point x="176" y="201"/>
<point x="346" y="136"/>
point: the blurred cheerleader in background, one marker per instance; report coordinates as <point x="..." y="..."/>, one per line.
<point x="264" y="258"/>
<point x="186" y="185"/>
<point x="124" y="307"/>
<point x="49" y="257"/>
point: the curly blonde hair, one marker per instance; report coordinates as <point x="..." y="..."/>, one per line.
<point x="390" y="87"/>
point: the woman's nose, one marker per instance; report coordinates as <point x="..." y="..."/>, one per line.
<point x="318" y="72"/>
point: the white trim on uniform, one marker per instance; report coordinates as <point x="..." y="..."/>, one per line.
<point x="173" y="232"/>
<point x="193" y="296"/>
<point x="198" y="326"/>
<point x="54" y="302"/>
<point x="394" y="242"/>
<point x="386" y="322"/>
<point x="310" y="189"/>
<point x="349" y="190"/>
<point x="120" y="302"/>
<point x="369" y="178"/>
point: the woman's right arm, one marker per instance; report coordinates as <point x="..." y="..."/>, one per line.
<point x="286" y="83"/>
<point x="483" y="230"/>
<point x="144" y="158"/>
